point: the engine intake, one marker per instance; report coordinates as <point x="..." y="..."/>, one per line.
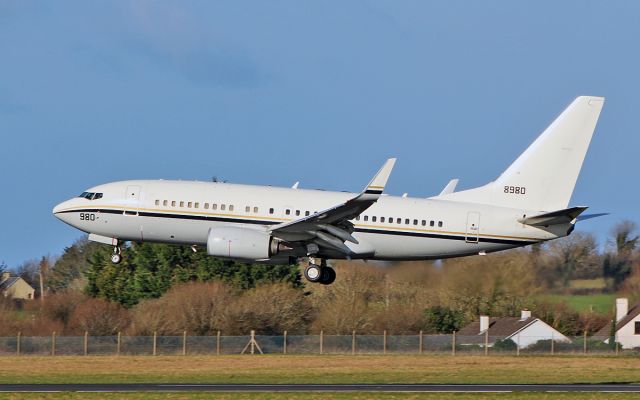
<point x="241" y="243"/>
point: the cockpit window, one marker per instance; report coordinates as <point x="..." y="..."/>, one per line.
<point x="91" y="195"/>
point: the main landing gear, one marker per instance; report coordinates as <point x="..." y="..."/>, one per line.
<point x="116" y="257"/>
<point x="319" y="273"/>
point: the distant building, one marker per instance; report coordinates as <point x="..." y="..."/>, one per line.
<point x="15" y="287"/>
<point x="523" y="331"/>
<point x="627" y="330"/>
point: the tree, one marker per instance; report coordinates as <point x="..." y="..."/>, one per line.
<point x="444" y="320"/>
<point x="68" y="270"/>
<point x="574" y="257"/>
<point x="618" y="261"/>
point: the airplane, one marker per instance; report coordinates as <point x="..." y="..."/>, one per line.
<point x="528" y="203"/>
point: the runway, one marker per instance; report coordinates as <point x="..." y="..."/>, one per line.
<point x="453" y="388"/>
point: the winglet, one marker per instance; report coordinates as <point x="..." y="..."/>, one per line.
<point x="450" y="188"/>
<point x="379" y="181"/>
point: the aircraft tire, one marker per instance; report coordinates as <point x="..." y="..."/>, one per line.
<point x="116" y="258"/>
<point x="328" y="276"/>
<point x="313" y="273"/>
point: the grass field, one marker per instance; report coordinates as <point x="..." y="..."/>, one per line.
<point x="320" y="369"/>
<point x="600" y="303"/>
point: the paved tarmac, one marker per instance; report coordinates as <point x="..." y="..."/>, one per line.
<point x="159" y="387"/>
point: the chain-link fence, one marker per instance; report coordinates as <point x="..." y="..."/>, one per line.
<point x="219" y="344"/>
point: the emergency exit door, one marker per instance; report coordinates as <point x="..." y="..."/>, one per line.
<point x="473" y="227"/>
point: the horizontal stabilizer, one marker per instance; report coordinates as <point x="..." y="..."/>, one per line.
<point x="554" y="218"/>
<point x="589" y="216"/>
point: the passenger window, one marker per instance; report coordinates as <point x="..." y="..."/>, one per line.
<point x="206" y="206"/>
<point x="231" y="207"/>
<point x="358" y="218"/>
<point x="297" y="213"/>
<point x="173" y="203"/>
<point x="373" y="219"/>
<point x="415" y="222"/>
<point x="287" y="211"/>
<point x="307" y="213"/>
<point x="431" y="223"/>
<point x="271" y="211"/>
<point x="214" y="206"/>
<point x="255" y="210"/>
<point x="366" y="218"/>
<point x="189" y="204"/>
<point x="390" y="220"/>
<point x="197" y="205"/>
<point x="424" y="223"/>
<point x="398" y="220"/>
<point x="439" y="224"/>
<point x="247" y="209"/>
<point x="223" y="207"/>
<point x="182" y="204"/>
<point x="381" y="219"/>
<point x="164" y="203"/>
<point x="157" y="202"/>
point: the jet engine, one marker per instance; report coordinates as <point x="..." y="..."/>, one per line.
<point x="241" y="243"/>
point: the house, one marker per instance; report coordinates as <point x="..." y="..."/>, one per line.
<point x="15" y="287"/>
<point x="627" y="325"/>
<point x="524" y="331"/>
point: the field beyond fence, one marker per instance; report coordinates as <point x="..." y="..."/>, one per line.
<point x="305" y="344"/>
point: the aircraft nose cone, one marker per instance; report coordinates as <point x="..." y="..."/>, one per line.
<point x="58" y="210"/>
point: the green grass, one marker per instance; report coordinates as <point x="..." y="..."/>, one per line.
<point x="318" y="396"/>
<point x="599" y="303"/>
<point x="321" y="369"/>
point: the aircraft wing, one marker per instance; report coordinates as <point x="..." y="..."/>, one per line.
<point x="331" y="228"/>
<point x="554" y="218"/>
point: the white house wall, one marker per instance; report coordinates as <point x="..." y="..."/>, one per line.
<point x="535" y="332"/>
<point x="626" y="337"/>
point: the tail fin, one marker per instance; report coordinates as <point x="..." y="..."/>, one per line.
<point x="544" y="176"/>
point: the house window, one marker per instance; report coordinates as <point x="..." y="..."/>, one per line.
<point x="637" y="328"/>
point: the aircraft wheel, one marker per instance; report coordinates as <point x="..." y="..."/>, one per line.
<point x="116" y="258"/>
<point x="328" y="276"/>
<point x="313" y="273"/>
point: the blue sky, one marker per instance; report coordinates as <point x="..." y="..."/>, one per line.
<point x="321" y="92"/>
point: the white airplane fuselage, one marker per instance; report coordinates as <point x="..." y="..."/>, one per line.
<point x="394" y="228"/>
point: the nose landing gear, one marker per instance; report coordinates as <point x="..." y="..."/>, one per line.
<point x="319" y="273"/>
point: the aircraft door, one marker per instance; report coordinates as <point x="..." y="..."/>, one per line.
<point x="473" y="227"/>
<point x="132" y="195"/>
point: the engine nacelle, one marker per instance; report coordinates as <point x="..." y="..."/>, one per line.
<point x="241" y="243"/>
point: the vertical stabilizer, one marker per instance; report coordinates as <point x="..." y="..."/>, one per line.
<point x="544" y="176"/>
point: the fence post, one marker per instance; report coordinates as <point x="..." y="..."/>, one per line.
<point x="118" y="344"/>
<point x="453" y="344"/>
<point x="284" y="343"/>
<point x="253" y="341"/>
<point x="486" y="342"/>
<point x="155" y="342"/>
<point x="384" y="342"/>
<point x="584" y="350"/>
<point x="553" y="345"/>
<point x="184" y="343"/>
<point x="218" y="344"/>
<point x="53" y="343"/>
<point x="18" y="343"/>
<point x="321" y="341"/>
<point x="353" y="343"/>
<point x="617" y="348"/>
<point x="420" y="344"/>
<point x="518" y="345"/>
<point x="86" y="343"/>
